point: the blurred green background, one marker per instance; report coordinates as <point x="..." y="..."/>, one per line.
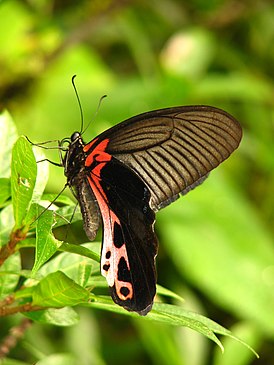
<point x="216" y="244"/>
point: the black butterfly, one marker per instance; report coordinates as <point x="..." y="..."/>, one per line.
<point x="132" y="170"/>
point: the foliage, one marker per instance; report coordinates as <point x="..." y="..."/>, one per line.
<point x="62" y="282"/>
<point x="216" y="244"/>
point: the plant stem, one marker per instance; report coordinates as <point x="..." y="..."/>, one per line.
<point x="27" y="307"/>
<point x="15" y="334"/>
<point x="8" y="249"/>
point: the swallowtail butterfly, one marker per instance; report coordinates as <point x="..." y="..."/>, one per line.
<point x="129" y="172"/>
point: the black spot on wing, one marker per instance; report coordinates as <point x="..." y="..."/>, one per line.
<point x="106" y="267"/>
<point x="124" y="291"/>
<point x="123" y="271"/>
<point x="108" y="254"/>
<point x="118" y="238"/>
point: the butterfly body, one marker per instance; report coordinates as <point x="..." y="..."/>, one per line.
<point x="135" y="168"/>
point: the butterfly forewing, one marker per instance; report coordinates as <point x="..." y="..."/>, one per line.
<point x="174" y="149"/>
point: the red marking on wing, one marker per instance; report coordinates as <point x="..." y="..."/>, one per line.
<point x="89" y="145"/>
<point x="98" y="153"/>
<point x="109" y="263"/>
<point x="97" y="171"/>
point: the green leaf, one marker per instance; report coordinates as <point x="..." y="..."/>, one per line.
<point x="8" y="135"/>
<point x="9" y="281"/>
<point x="23" y="273"/>
<point x="62" y="199"/>
<point x="58" y="317"/>
<point x="97" y="281"/>
<point x="65" y="214"/>
<point x="6" y="224"/>
<point x="46" y="243"/>
<point x="26" y="292"/>
<point x="168" y="293"/>
<point x="77" y="267"/>
<point x="83" y="250"/>
<point x="27" y="242"/>
<point x="164" y="313"/>
<point x="23" y="177"/>
<point x="173" y="315"/>
<point x="5" y="191"/>
<point x="234" y="353"/>
<point x="57" y="290"/>
<point x="42" y="175"/>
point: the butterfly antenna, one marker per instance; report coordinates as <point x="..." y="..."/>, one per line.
<point x="79" y="103"/>
<point x="97" y="110"/>
<point x="82" y="130"/>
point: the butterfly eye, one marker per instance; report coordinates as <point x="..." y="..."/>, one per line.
<point x="75" y="136"/>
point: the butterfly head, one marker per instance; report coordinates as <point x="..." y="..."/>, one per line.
<point x="75" y="136"/>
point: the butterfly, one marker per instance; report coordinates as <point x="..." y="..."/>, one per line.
<point x="132" y="170"/>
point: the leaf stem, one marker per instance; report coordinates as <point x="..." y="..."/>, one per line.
<point x="7" y="250"/>
<point x="27" y="307"/>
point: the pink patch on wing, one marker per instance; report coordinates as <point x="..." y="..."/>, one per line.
<point x="111" y="255"/>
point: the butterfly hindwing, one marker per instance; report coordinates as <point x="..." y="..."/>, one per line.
<point x="129" y="242"/>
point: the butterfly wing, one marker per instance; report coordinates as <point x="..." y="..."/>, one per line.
<point x="108" y="189"/>
<point x="136" y="168"/>
<point x="174" y="149"/>
<point x="129" y="242"/>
